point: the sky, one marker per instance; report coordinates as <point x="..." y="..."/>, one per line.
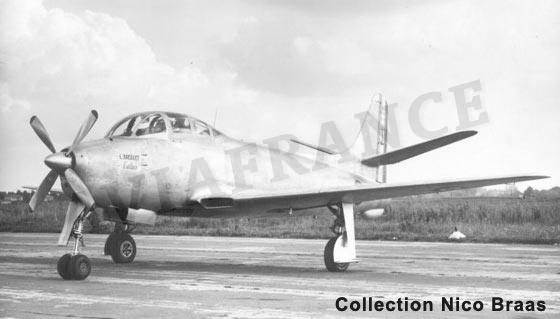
<point x="266" y="68"/>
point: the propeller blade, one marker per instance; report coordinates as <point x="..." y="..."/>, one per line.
<point x="84" y="130"/>
<point x="75" y="208"/>
<point x="79" y="188"/>
<point x="43" y="189"/>
<point x="40" y="130"/>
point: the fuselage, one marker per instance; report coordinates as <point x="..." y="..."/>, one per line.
<point x="173" y="168"/>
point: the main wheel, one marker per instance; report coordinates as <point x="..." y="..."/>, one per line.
<point x="80" y="267"/>
<point x="329" y="257"/>
<point x="63" y="267"/>
<point x="108" y="243"/>
<point x="123" y="248"/>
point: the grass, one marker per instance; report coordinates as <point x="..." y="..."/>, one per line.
<point x="501" y="220"/>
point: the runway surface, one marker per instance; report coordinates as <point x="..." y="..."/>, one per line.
<point x="217" y="277"/>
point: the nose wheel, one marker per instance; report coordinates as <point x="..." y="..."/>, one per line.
<point x="75" y="266"/>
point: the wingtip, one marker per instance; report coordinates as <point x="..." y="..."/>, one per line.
<point x="94" y="112"/>
<point x="541" y="177"/>
<point x="533" y="177"/>
<point x="470" y="133"/>
<point x="463" y="134"/>
<point x="32" y="119"/>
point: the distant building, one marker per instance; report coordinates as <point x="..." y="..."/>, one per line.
<point x="13" y="198"/>
<point x="25" y="196"/>
<point x="508" y="190"/>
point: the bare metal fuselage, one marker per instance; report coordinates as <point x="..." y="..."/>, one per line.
<point x="168" y="174"/>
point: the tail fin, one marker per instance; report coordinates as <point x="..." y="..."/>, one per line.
<point x="359" y="148"/>
<point x="363" y="144"/>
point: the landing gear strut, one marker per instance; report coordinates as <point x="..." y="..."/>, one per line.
<point x="340" y="250"/>
<point x="120" y="245"/>
<point x="75" y="266"/>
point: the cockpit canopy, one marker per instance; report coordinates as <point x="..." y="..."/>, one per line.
<point x="161" y="125"/>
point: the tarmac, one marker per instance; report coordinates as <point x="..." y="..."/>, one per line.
<point x="224" y="277"/>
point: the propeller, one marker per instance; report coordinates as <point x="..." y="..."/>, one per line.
<point x="43" y="189"/>
<point x="79" y="188"/>
<point x="40" y="130"/>
<point x="62" y="164"/>
<point x="84" y="130"/>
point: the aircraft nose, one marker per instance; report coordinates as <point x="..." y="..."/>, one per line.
<point x="58" y="161"/>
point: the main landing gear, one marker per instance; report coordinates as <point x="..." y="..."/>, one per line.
<point x="75" y="266"/>
<point x="120" y="245"/>
<point x="340" y="250"/>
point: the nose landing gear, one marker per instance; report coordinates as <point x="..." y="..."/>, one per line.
<point x="75" y="266"/>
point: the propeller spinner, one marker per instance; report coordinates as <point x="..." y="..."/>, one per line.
<point x="62" y="163"/>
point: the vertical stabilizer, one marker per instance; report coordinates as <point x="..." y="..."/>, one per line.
<point x="371" y="140"/>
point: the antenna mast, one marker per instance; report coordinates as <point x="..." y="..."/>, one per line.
<point x="382" y="137"/>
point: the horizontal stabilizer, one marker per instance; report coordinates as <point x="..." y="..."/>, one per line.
<point x="415" y="150"/>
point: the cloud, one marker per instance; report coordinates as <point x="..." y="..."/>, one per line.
<point x="58" y="65"/>
<point x="302" y="49"/>
<point x="58" y="56"/>
<point x="7" y="103"/>
<point x="53" y="59"/>
<point x="271" y="56"/>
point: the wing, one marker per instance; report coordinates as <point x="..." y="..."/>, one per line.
<point x="362" y="192"/>
<point x="415" y="150"/>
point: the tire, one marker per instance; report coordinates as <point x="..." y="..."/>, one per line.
<point x="108" y="243"/>
<point x="123" y="249"/>
<point x="329" y="257"/>
<point x="63" y="267"/>
<point x="80" y="267"/>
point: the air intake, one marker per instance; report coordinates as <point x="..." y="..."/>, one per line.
<point x="217" y="202"/>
